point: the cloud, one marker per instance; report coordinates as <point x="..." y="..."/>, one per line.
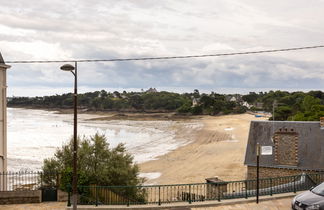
<point x="95" y="29"/>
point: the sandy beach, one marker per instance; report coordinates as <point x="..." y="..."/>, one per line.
<point x="218" y="149"/>
<point x="211" y="145"/>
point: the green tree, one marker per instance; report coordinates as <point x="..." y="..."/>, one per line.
<point x="251" y="97"/>
<point x="136" y="101"/>
<point x="97" y="164"/>
<point x="309" y="102"/>
<point x="282" y="113"/>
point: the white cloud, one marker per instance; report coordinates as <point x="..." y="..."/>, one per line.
<point x="109" y="29"/>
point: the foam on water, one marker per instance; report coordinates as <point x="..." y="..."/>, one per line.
<point x="35" y="134"/>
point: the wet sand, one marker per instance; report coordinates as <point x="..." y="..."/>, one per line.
<point x="218" y="149"/>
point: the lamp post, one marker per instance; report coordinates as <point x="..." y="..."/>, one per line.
<point x="69" y="67"/>
<point x="257" y="171"/>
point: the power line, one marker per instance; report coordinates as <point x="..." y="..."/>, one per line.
<point x="167" y="57"/>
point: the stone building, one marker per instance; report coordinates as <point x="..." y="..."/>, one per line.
<point x="3" y="116"/>
<point x="297" y="147"/>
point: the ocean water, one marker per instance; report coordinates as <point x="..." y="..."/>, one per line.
<point x="34" y="135"/>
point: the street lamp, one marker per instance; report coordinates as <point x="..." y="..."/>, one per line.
<point x="69" y="67"/>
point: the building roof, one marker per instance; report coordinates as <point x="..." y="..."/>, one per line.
<point x="310" y="144"/>
<point x="1" y="59"/>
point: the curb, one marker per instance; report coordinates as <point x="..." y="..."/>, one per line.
<point x="186" y="206"/>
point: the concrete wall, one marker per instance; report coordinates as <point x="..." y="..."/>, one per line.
<point x="16" y="197"/>
<point x="3" y="120"/>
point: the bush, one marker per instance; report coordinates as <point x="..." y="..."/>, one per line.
<point x="97" y="165"/>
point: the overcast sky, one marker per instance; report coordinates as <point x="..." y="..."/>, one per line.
<point x="104" y="29"/>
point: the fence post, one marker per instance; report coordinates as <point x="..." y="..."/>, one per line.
<point x="69" y="195"/>
<point x="218" y="190"/>
<point x="295" y="184"/>
<point x="96" y="188"/>
<point x="159" y="195"/>
<point x="246" y="189"/>
<point x="270" y="186"/>
<point x="189" y="194"/>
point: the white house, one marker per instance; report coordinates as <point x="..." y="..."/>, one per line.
<point x="3" y="116"/>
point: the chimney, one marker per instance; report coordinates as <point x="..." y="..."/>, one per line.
<point x="322" y="122"/>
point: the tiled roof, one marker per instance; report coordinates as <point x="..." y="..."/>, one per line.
<point x="310" y="143"/>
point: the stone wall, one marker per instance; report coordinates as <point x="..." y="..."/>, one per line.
<point x="265" y="172"/>
<point x="16" y="197"/>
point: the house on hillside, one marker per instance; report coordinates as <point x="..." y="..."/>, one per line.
<point x="296" y="147"/>
<point x="246" y="104"/>
<point x="195" y="102"/>
<point x="234" y="98"/>
<point x="151" y="90"/>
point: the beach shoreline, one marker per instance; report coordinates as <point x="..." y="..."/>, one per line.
<point x="218" y="149"/>
<point x="215" y="148"/>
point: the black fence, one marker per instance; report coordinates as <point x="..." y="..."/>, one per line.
<point x="27" y="180"/>
<point x="161" y="194"/>
<point x="198" y="192"/>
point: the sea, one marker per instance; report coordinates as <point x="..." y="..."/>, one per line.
<point x="34" y="135"/>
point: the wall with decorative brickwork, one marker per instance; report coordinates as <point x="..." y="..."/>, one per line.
<point x="286" y="148"/>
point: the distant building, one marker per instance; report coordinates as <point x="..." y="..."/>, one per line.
<point x="195" y="102"/>
<point x="246" y="104"/>
<point x="151" y="90"/>
<point x="296" y="147"/>
<point x="234" y="98"/>
<point x="3" y="117"/>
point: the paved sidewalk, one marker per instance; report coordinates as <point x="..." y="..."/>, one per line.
<point x="36" y="206"/>
<point x="278" y="204"/>
<point x="266" y="203"/>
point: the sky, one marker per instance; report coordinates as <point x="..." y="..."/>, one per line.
<point x="106" y="29"/>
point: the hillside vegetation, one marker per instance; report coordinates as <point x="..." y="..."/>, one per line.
<point x="299" y="106"/>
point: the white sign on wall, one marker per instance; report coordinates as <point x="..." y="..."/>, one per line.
<point x="266" y="150"/>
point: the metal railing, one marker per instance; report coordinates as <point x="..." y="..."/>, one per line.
<point x="161" y="194"/>
<point x="197" y="192"/>
<point x="27" y="180"/>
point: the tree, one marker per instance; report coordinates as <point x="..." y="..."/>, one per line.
<point x="97" y="164"/>
<point x="250" y="98"/>
<point x="282" y="113"/>
<point x="136" y="101"/>
<point x="196" y="93"/>
<point x="309" y="102"/>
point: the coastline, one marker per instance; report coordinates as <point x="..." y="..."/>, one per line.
<point x="218" y="149"/>
<point x="116" y="115"/>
